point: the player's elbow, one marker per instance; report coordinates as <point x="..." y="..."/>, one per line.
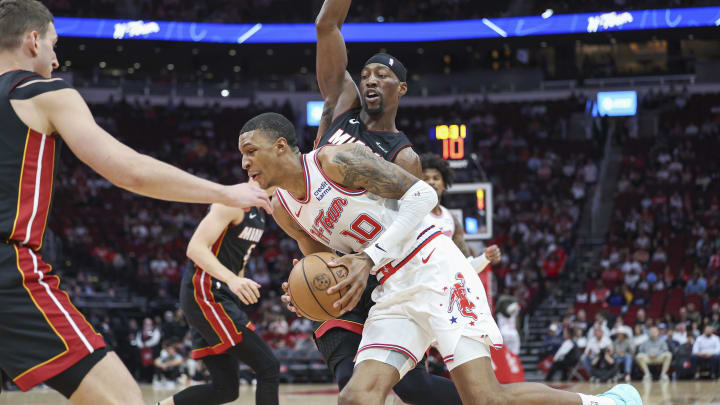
<point x="324" y="25"/>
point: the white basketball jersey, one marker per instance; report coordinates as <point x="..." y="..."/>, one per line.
<point x="343" y="219"/>
<point x="444" y="221"/>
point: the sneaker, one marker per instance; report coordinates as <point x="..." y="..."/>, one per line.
<point x="627" y="378"/>
<point x="647" y="378"/>
<point x="664" y="377"/>
<point x="623" y="394"/>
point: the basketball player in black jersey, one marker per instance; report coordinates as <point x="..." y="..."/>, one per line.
<point x="212" y="298"/>
<point x="365" y="114"/>
<point x="43" y="337"/>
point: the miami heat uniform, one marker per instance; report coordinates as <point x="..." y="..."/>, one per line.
<point x="41" y="333"/>
<point x="429" y="292"/>
<point x="338" y="338"/>
<point x="212" y="310"/>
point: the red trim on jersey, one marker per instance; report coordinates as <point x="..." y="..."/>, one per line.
<point x="388" y="270"/>
<point x="340" y="188"/>
<point x="291" y="215"/>
<point x="28" y="210"/>
<point x="306" y="171"/>
<point x="339" y="323"/>
<point x="317" y="140"/>
<point x="214" y="314"/>
<point x="396" y="348"/>
<point x="54" y="304"/>
<point x="407" y="145"/>
<point x="21" y="80"/>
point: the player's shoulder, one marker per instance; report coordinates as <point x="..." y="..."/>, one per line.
<point x="225" y="213"/>
<point x="23" y="85"/>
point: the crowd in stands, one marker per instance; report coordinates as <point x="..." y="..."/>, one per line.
<point x="659" y="275"/>
<point x="122" y="256"/>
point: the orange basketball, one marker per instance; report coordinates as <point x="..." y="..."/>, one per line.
<point x="308" y="283"/>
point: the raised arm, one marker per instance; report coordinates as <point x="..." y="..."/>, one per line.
<point x="68" y="115"/>
<point x="336" y="85"/>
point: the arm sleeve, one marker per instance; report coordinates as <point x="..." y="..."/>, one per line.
<point x="414" y="205"/>
<point x="479" y="263"/>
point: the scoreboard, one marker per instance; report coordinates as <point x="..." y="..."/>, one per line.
<point x="452" y="138"/>
<point x="472" y="203"/>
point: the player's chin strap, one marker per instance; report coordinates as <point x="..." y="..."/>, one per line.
<point x="479" y="263"/>
<point x="414" y="205"/>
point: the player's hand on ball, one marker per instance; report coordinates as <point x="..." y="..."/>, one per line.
<point x="493" y="254"/>
<point x="247" y="195"/>
<point x="359" y="266"/>
<point x="246" y="289"/>
<point x="286" y="296"/>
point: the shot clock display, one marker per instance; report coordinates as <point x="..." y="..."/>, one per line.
<point x="452" y="138"/>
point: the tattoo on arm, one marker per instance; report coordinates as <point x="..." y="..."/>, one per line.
<point x="327" y="115"/>
<point x="360" y="168"/>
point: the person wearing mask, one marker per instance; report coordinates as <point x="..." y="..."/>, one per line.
<point x="706" y="352"/>
<point x="654" y="351"/>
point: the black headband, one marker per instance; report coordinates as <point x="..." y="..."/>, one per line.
<point x="391" y="62"/>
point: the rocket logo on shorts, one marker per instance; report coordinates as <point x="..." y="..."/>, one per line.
<point x="458" y="295"/>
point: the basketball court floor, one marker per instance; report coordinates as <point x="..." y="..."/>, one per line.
<point x="656" y="393"/>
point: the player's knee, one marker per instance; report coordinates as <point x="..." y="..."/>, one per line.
<point x="270" y="371"/>
<point x="412" y="387"/>
<point x="224" y="394"/>
<point x="343" y="373"/>
<point x="353" y="396"/>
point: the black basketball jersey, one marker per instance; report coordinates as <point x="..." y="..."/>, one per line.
<point x="234" y="246"/>
<point x="348" y="128"/>
<point x="28" y="160"/>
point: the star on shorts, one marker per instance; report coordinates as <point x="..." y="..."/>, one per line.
<point x="472" y="323"/>
<point x="453" y="320"/>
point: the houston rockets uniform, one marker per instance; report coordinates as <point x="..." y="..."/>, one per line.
<point x="429" y="292"/>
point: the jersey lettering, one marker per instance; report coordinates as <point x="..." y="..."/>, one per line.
<point x="341" y="137"/>
<point x="251" y="234"/>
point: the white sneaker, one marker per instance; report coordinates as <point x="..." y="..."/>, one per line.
<point x="647" y="377"/>
<point x="664" y="377"/>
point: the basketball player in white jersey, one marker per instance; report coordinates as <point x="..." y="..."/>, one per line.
<point x="345" y="198"/>
<point x="437" y="173"/>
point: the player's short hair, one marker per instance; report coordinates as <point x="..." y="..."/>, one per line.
<point x="275" y="125"/>
<point x="433" y="161"/>
<point x="18" y="17"/>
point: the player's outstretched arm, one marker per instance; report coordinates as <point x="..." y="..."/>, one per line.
<point x="336" y="85"/>
<point x="69" y="116"/>
<point x="199" y="250"/>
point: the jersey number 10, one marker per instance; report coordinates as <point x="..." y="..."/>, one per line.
<point x="364" y="229"/>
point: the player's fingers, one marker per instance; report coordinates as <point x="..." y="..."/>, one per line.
<point x="243" y="298"/>
<point x="341" y="286"/>
<point x="353" y="300"/>
<point x="285" y="298"/>
<point x="348" y="297"/>
<point x="254" y="291"/>
<point x="285" y="285"/>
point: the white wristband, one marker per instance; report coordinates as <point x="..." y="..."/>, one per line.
<point x="479" y="263"/>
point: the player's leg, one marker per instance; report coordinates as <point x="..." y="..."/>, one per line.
<point x="477" y="384"/>
<point x="418" y="387"/>
<point x="106" y="382"/>
<point x="372" y="379"/>
<point x="254" y="352"/>
<point x="338" y="347"/>
<point x="224" y="387"/>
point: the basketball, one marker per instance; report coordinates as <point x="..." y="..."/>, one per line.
<point x="308" y="282"/>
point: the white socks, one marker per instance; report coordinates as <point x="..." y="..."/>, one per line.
<point x="594" y="400"/>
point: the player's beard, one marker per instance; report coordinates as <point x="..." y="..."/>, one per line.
<point x="374" y="111"/>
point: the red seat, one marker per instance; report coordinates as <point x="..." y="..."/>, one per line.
<point x="675" y="301"/>
<point x="657" y="304"/>
<point x="697" y="300"/>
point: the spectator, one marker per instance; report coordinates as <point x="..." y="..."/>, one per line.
<point x="680" y="335"/>
<point x="581" y="320"/>
<point x="654" y="351"/>
<point x="682" y="359"/>
<point x="595" y="344"/>
<point x="580" y="339"/>
<point x="604" y="367"/>
<point x="147" y="341"/>
<point x="601" y="322"/>
<point x="600" y="293"/>
<point x="565" y="358"/>
<point x="696" y="285"/>
<point x="624" y="350"/>
<point x="693" y="314"/>
<point x="168" y="364"/>
<point x="706" y="352"/>
<point x="552" y="341"/>
<point x="617" y="298"/>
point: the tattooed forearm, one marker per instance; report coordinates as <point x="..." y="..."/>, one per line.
<point x="327" y="116"/>
<point x="360" y="168"/>
<point x="459" y="238"/>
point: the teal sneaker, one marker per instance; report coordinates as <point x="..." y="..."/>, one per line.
<point x="623" y="394"/>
